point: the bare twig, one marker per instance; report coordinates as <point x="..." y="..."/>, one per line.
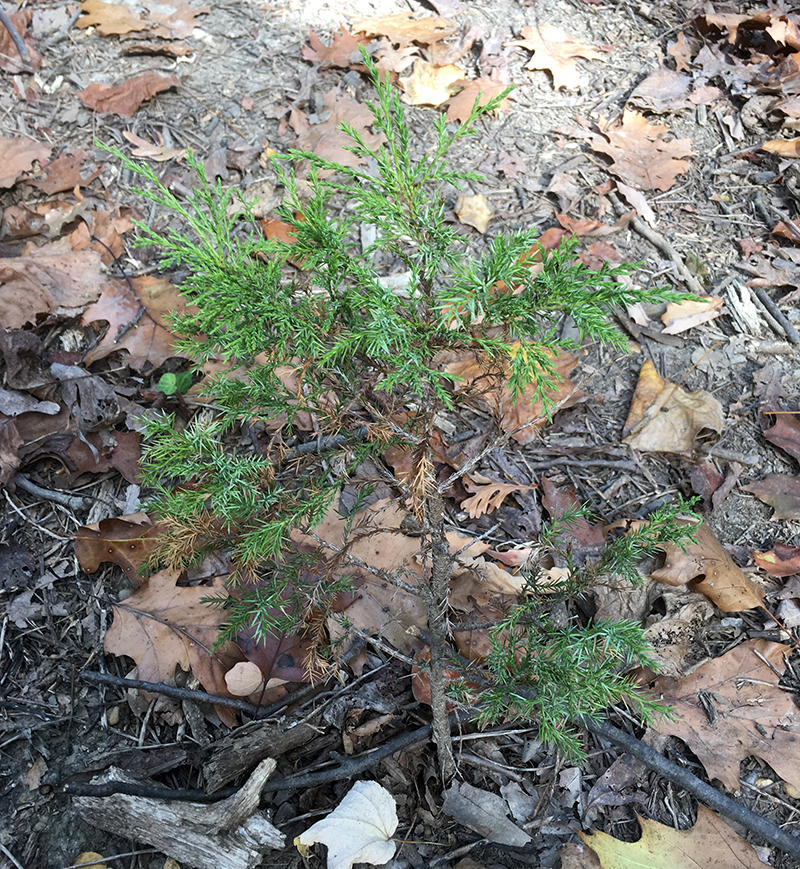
<point x="72" y="502"/>
<point x="658" y="240"/>
<point x="16" y="38"/>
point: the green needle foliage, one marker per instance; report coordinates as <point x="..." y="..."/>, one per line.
<point x="333" y="340"/>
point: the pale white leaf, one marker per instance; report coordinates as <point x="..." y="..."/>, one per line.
<point x="358" y="830"/>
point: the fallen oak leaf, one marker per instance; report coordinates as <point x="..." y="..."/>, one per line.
<point x="125" y="98"/>
<point x="642" y="158"/>
<point x="707" y="568"/>
<point x="62" y="174"/>
<point x="709" y="843"/>
<point x="459" y="107"/>
<point x="110" y="19"/>
<point x="10" y="59"/>
<point x="163" y="626"/>
<point x="358" y="830"/>
<point x="137" y="312"/>
<point x="555" y="51"/>
<point x="754" y="716"/>
<point x="488" y="497"/>
<point x="338" y="53"/>
<point x="127" y="541"/>
<point x="785" y="433"/>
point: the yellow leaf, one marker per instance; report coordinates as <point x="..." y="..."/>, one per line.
<point x="429" y="83"/>
<point x="474" y="211"/>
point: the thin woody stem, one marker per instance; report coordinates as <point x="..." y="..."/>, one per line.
<point x="436" y="600"/>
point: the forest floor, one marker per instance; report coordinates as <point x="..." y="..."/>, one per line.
<point x="649" y="131"/>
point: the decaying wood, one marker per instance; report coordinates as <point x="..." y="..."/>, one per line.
<point x="230" y="834"/>
<point x="238" y="752"/>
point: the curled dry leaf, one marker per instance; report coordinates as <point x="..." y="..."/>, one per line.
<point x="783" y="147"/>
<point x="554" y="50"/>
<point x="664" y="418"/>
<point x="244" y="678"/>
<point x="642" y="158"/>
<point x="709" y="843"/>
<point x="10" y="59"/>
<point x="159" y="153"/>
<point x="429" y="84"/>
<point x="125" y="98"/>
<point x="681" y="316"/>
<point x="711" y="571"/>
<point x="358" y="830"/>
<point x="732" y="708"/>
<point x="474" y="211"/>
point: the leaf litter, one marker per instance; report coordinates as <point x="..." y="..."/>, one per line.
<point x="644" y="158"/>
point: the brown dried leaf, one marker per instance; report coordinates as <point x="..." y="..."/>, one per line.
<point x="783" y="147"/>
<point x="157" y="48"/>
<point x="586" y="540"/>
<point x="10" y="59"/>
<point x="326" y="139"/>
<point x="664" y="418"/>
<point x="338" y="53"/>
<point x="460" y="106"/>
<point x="17" y="156"/>
<point x="781" y="492"/>
<point x="63" y="173"/>
<point x="43" y="283"/>
<point x="110" y="19"/>
<point x="662" y="91"/>
<point x="173" y="22"/>
<point x="785" y="433"/>
<point x="429" y="84"/>
<point x="523" y="418"/>
<point x="163" y="626"/>
<point x="142" y="312"/>
<point x="642" y="158"/>
<point x="711" y="571"/>
<point x="555" y="50"/>
<point x="159" y="153"/>
<point x="125" y="98"/>
<point x="488" y="497"/>
<point x="781" y="560"/>
<point x="681" y="52"/>
<point x="681" y="316"/>
<point x="403" y="28"/>
<point x="753" y="715"/>
<point x="127" y="541"/>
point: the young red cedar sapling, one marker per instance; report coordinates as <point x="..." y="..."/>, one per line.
<point x="367" y="361"/>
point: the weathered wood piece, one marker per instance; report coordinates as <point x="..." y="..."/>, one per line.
<point x="238" y="752"/>
<point x="230" y="834"/>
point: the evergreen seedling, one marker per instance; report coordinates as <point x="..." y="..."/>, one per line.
<point x="339" y="342"/>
